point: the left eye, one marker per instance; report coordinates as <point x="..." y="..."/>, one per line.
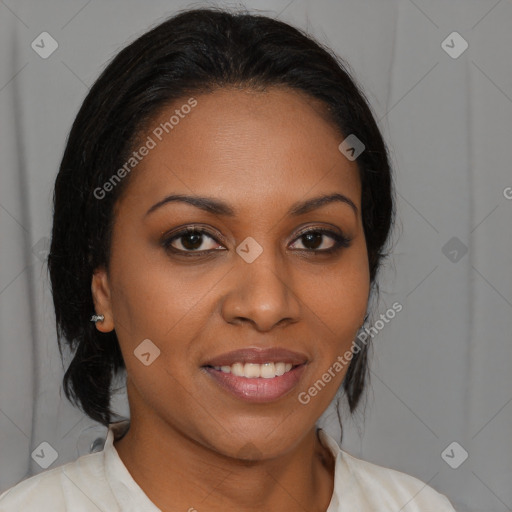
<point x="314" y="238"/>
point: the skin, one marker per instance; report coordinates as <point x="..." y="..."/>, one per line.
<point x="260" y="152"/>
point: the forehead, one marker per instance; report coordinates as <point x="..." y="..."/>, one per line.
<point x="245" y="146"/>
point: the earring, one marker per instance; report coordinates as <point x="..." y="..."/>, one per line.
<point x="97" y="318"/>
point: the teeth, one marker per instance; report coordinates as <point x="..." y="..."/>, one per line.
<point x="237" y="369"/>
<point x="280" y="368"/>
<point x="267" y="370"/>
<point x="254" y="371"/>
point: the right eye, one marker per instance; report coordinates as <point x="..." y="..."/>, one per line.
<point x="190" y="239"/>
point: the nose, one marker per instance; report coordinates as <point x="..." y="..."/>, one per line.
<point x="262" y="293"/>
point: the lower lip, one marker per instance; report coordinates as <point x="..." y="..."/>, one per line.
<point x="258" y="390"/>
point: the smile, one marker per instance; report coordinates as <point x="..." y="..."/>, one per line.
<point x="254" y="371"/>
<point x="258" y="383"/>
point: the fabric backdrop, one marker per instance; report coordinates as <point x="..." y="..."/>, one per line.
<point x="440" y="402"/>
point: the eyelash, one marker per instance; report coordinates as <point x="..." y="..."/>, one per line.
<point x="341" y="241"/>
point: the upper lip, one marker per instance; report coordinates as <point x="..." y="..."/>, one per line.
<point x="258" y="356"/>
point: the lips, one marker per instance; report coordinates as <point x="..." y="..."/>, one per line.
<point x="258" y="356"/>
<point x="259" y="389"/>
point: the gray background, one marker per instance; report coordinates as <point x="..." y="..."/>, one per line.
<point x="441" y="367"/>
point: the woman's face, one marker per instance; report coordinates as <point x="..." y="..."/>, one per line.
<point x="250" y="280"/>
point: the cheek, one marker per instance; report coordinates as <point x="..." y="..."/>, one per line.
<point x="164" y="308"/>
<point x="338" y="296"/>
<point x="154" y="302"/>
<point x="345" y="299"/>
<point x="156" y="299"/>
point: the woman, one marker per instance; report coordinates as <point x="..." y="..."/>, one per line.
<point x="220" y="215"/>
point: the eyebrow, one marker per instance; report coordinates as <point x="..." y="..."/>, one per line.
<point x="219" y="207"/>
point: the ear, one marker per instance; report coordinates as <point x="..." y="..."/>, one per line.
<point x="100" y="288"/>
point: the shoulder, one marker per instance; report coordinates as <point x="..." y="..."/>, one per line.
<point x="364" y="486"/>
<point x="75" y="485"/>
<point x="386" y="485"/>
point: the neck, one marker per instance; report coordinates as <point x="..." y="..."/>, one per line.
<point x="178" y="473"/>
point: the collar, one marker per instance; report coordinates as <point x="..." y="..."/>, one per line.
<point x="126" y="490"/>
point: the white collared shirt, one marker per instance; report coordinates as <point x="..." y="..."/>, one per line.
<point x="100" y="482"/>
